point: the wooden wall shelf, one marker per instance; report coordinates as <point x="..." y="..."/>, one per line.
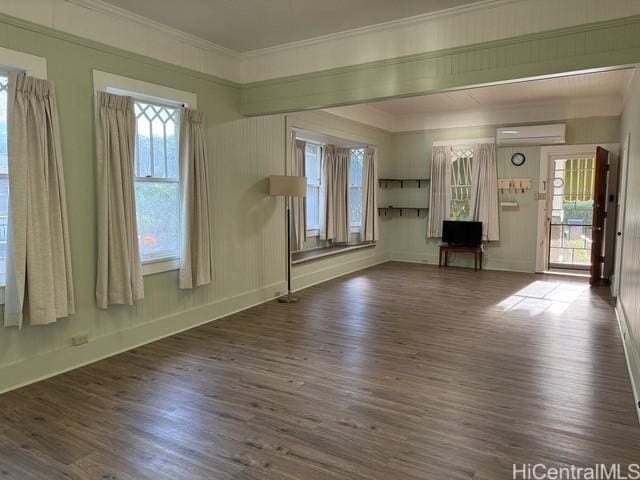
<point x="401" y="181"/>
<point x="385" y="210"/>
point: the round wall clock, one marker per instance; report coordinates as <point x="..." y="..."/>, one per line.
<point x="518" y="159"/>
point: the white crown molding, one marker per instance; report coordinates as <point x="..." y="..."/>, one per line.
<point x="466" y="25"/>
<point x="117" y="12"/>
<point x="482" y="21"/>
<point x="101" y="22"/>
<point x="393" y="24"/>
<point x="604" y="106"/>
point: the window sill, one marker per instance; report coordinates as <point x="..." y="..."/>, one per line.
<point x="313" y="233"/>
<point x="318" y="253"/>
<point x="159" y="265"/>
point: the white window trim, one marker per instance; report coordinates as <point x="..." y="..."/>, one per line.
<point x="108" y="82"/>
<point x="315" y="232"/>
<point x="12" y="61"/>
<point x="15" y="61"/>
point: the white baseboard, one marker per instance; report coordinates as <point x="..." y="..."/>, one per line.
<point x="630" y="353"/>
<point x="306" y="280"/>
<point x="40" y="367"/>
<point x="49" y="364"/>
<point x="488" y="264"/>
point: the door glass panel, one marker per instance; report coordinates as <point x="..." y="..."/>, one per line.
<point x="571" y="213"/>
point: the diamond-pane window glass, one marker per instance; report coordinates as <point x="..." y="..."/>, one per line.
<point x="356" y="161"/>
<point x="312" y="166"/>
<point x="461" y="183"/>
<point x="156" y="181"/>
<point x="4" y="177"/>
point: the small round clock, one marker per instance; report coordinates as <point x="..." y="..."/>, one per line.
<point x="518" y="159"/>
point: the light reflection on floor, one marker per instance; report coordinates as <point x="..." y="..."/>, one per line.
<point x="543" y="296"/>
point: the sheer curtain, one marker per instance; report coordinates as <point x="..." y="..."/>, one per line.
<point x="335" y="182"/>
<point x="440" y="190"/>
<point x="196" y="257"/>
<point x="484" y="191"/>
<point x="298" y="204"/>
<point x="119" y="271"/>
<point x="39" y="277"/>
<point x="369" y="222"/>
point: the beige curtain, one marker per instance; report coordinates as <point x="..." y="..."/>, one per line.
<point x="119" y="272"/>
<point x="484" y="191"/>
<point x="196" y="258"/>
<point x="335" y="181"/>
<point x="39" y="278"/>
<point x="440" y="190"/>
<point x="369" y="222"/>
<point x="298" y="204"/>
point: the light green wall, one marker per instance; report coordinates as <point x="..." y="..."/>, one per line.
<point x="629" y="295"/>
<point x="247" y="227"/>
<point x="324" y="123"/>
<point x="603" y="44"/>
<point x="516" y="249"/>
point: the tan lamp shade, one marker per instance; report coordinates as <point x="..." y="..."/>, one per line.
<point x="287" y="186"/>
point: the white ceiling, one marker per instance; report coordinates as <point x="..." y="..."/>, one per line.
<point x="591" y="94"/>
<point x="499" y="96"/>
<point x="244" y="25"/>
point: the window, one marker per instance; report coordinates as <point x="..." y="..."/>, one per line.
<point x="460" y="183"/>
<point x="4" y="177"/>
<point x="156" y="180"/>
<point x="356" y="161"/>
<point x="156" y="167"/>
<point x="312" y="168"/>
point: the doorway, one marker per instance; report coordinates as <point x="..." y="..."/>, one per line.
<point x="570" y="212"/>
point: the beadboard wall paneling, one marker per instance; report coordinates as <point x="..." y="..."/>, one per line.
<point x="309" y="273"/>
<point x="516" y="249"/>
<point x="629" y="296"/>
<point x="470" y="24"/>
<point x="600" y="45"/>
<point x="467" y="25"/>
<point x="247" y="225"/>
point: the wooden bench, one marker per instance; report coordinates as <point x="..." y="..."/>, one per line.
<point x="477" y="254"/>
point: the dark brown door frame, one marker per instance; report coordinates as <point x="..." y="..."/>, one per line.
<point x="599" y="215"/>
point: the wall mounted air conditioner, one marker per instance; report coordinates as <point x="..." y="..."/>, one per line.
<point x="532" y="135"/>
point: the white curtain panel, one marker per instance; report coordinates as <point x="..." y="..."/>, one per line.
<point x="298" y="204"/>
<point x="119" y="271"/>
<point x="484" y="191"/>
<point x="335" y="181"/>
<point x="39" y="277"/>
<point x="196" y="257"/>
<point x="369" y="221"/>
<point x="440" y="190"/>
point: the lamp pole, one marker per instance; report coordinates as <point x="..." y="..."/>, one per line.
<point x="288" y="298"/>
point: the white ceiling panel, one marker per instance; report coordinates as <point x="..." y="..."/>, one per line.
<point x="244" y="25"/>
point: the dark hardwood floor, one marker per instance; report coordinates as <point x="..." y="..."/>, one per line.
<point x="397" y="372"/>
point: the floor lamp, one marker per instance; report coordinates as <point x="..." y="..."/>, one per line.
<point x="288" y="186"/>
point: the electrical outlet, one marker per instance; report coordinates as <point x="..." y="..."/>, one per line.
<point x="80" y="339"/>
